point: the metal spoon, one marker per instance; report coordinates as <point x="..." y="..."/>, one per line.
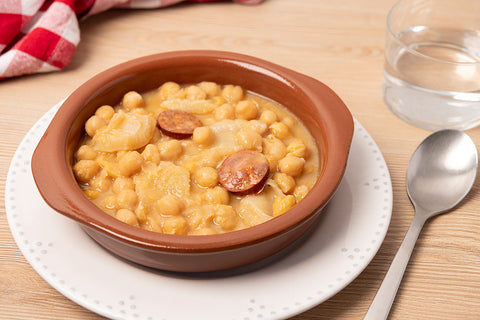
<point x="440" y="174"/>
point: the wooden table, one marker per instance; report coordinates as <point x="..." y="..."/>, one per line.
<point x="338" y="42"/>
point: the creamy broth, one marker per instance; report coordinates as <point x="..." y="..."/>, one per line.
<point x="135" y="169"/>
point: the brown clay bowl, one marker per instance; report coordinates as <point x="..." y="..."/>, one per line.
<point x="317" y="106"/>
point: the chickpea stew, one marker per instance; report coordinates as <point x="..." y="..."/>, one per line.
<point x="195" y="160"/>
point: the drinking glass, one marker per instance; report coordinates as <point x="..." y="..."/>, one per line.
<point x="432" y="63"/>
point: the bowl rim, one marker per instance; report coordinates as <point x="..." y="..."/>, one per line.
<point x="71" y="201"/>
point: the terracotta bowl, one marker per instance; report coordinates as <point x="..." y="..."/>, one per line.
<point x="317" y="106"/>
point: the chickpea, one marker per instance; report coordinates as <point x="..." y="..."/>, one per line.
<point x="123" y="183"/>
<point x="268" y="117"/>
<point x="217" y="195"/>
<point x="151" y="153"/>
<point x="169" y="205"/>
<point x="203" y="136"/>
<point x="86" y="153"/>
<point x="225" y="111"/>
<point x="170" y="149"/>
<point x="85" y="170"/>
<point x="274" y="147"/>
<point x="195" y="93"/>
<point x="246" y="109"/>
<point x="169" y="90"/>
<point x="127" y="199"/>
<point x="101" y="182"/>
<point x="153" y="224"/>
<point x="141" y="212"/>
<point x="282" y="204"/>
<point x="206" y="177"/>
<point x="219" y="100"/>
<point x="93" y="124"/>
<point x="105" y="112"/>
<point x="210" y="88"/>
<point x="249" y="139"/>
<point x="257" y="126"/>
<point x="130" y="163"/>
<point x="300" y="192"/>
<point x="280" y="130"/>
<point x="127" y="216"/>
<point x="285" y="182"/>
<point x="289" y="121"/>
<point x="92" y="194"/>
<point x="291" y="165"/>
<point x="198" y="219"/>
<point x="232" y="93"/>
<point x="226" y="217"/>
<point x="132" y="100"/>
<point x="175" y="225"/>
<point x="110" y="202"/>
<point x="297" y="148"/>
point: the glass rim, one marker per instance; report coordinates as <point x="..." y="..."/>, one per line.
<point x="415" y="52"/>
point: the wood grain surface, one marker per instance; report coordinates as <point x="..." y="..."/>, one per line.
<point x="338" y="42"/>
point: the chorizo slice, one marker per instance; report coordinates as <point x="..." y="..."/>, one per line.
<point x="177" y="124"/>
<point x="244" y="172"/>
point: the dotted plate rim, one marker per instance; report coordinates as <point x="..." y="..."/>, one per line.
<point x="347" y="237"/>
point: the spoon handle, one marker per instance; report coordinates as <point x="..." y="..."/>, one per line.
<point x="380" y="307"/>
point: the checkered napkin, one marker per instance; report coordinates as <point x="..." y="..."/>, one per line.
<point x="42" y="35"/>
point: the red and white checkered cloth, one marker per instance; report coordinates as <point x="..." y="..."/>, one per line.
<point x="42" y="35"/>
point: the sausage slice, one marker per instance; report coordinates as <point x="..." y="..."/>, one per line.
<point x="244" y="172"/>
<point x="178" y="124"/>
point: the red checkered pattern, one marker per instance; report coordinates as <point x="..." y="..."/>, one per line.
<point x="42" y="35"/>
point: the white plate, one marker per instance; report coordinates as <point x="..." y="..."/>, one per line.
<point x="347" y="237"/>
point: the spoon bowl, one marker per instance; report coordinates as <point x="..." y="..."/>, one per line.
<point x="441" y="171"/>
<point x="440" y="174"/>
